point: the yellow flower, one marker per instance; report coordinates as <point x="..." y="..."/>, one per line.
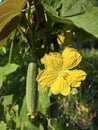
<point x="60" y="39"/>
<point x="58" y="73"/>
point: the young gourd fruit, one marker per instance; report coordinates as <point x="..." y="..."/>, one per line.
<point x="31" y="89"/>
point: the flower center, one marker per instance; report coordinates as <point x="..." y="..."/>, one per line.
<point x="63" y="73"/>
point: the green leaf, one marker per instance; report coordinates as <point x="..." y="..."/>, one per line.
<point x="88" y="21"/>
<point x="1" y="80"/>
<point x="79" y="13"/>
<point x="24" y="123"/>
<point x="74" y="7"/>
<point x="7" y="100"/>
<point x="70" y="8"/>
<point x="2" y="126"/>
<point x="10" y="12"/>
<point x="23" y="118"/>
<point x="43" y="100"/>
<point x="31" y="126"/>
<point x="6" y="70"/>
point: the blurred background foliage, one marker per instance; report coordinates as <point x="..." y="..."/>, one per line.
<point x="39" y="27"/>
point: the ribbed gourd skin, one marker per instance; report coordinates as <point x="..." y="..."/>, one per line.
<point x="31" y="88"/>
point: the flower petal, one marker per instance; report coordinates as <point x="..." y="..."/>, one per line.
<point x="52" y="61"/>
<point x="75" y="77"/>
<point x="46" y="78"/>
<point x="60" y="86"/>
<point x="71" y="58"/>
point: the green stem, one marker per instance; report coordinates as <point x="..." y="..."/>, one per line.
<point x="11" y="47"/>
<point x="10" y="54"/>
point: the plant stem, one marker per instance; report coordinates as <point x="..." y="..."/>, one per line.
<point x="10" y="54"/>
<point x="11" y="47"/>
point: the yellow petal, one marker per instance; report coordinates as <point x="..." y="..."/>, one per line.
<point x="71" y="58"/>
<point x="60" y="86"/>
<point x="75" y="77"/>
<point x="46" y="78"/>
<point x="76" y="84"/>
<point x="52" y="61"/>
